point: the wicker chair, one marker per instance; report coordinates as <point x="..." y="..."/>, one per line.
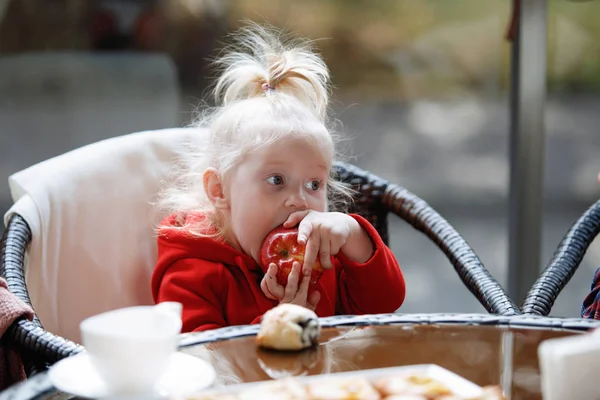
<point x="563" y="264"/>
<point x="375" y="199"/>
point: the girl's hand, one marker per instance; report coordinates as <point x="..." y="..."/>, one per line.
<point x="292" y="292"/>
<point x="326" y="234"/>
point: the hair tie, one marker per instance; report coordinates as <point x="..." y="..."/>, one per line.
<point x="267" y="88"/>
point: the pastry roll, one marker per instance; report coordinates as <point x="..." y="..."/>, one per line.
<point x="412" y="385"/>
<point x="289" y="327"/>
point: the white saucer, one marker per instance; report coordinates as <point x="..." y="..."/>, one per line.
<point x="185" y="375"/>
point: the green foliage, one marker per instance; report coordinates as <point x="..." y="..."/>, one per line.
<point x="407" y="48"/>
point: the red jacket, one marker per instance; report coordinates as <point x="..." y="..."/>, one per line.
<point x="220" y="286"/>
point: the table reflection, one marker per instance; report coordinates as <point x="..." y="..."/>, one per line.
<point x="486" y="355"/>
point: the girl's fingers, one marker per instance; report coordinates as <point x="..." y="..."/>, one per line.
<point x="302" y="293"/>
<point x="305" y="229"/>
<point x="295" y="218"/>
<point x="270" y="279"/>
<point x="336" y="241"/>
<point x="312" y="250"/>
<point x="325" y="253"/>
<point x="292" y="284"/>
<point x="313" y="300"/>
<point x="265" y="289"/>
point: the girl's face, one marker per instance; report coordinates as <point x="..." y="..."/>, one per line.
<point x="269" y="185"/>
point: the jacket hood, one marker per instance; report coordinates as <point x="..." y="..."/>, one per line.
<point x="175" y="243"/>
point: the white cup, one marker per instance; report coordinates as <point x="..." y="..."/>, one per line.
<point x="130" y="348"/>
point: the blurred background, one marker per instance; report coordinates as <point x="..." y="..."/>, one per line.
<point x="421" y="89"/>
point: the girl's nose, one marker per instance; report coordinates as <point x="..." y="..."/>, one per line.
<point x="296" y="200"/>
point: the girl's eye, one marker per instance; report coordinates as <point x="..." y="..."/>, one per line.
<point x="314" y="185"/>
<point x="275" y="180"/>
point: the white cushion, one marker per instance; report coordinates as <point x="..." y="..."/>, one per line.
<point x="93" y="245"/>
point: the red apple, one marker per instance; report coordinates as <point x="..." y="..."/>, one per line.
<point x="281" y="247"/>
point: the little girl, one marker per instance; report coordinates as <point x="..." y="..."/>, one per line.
<point x="268" y="163"/>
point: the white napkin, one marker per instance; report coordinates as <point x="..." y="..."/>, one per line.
<point x="89" y="210"/>
<point x="569" y="367"/>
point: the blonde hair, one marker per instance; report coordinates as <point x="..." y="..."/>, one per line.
<point x="270" y="88"/>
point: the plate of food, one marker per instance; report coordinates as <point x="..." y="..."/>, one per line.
<point x="412" y="382"/>
<point x="288" y="328"/>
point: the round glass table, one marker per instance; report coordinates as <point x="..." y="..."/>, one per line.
<point x="485" y="349"/>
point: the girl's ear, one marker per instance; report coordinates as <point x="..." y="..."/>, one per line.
<point x="213" y="187"/>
